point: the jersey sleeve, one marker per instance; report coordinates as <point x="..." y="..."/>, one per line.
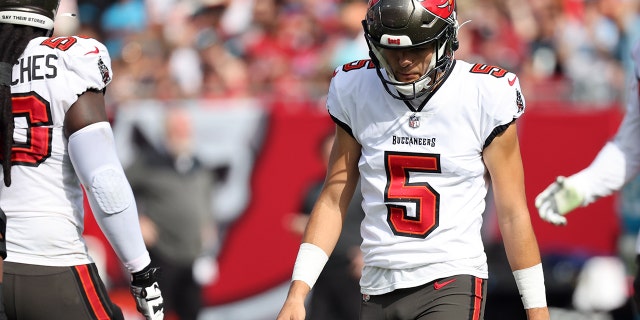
<point x="503" y="104"/>
<point x="335" y="103"/>
<point x="88" y="65"/>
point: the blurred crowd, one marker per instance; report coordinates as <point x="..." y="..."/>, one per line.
<point x="283" y="52"/>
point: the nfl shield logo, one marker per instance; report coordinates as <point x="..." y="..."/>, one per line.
<point x="414" y="121"/>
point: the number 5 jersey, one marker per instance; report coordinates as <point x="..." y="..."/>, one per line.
<point x="423" y="178"/>
<point x="44" y="203"/>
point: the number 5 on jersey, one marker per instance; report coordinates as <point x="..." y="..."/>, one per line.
<point x="399" y="166"/>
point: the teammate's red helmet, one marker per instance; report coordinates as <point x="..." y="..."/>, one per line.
<point x="35" y="13"/>
<point x="402" y="24"/>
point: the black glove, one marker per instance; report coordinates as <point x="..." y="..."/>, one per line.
<point x="636" y="284"/>
<point x="146" y="292"/>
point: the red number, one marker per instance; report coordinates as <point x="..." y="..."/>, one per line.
<point x="39" y="131"/>
<point x="60" y="43"/>
<point x="421" y="194"/>
<point x="358" y="65"/>
<point x="487" y="69"/>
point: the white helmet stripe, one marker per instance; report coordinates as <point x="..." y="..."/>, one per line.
<point x="26" y="18"/>
<point x="395" y="41"/>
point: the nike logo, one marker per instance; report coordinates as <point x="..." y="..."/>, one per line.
<point x="95" y="50"/>
<point x="441" y="285"/>
<point x="512" y="81"/>
<point x="157" y="309"/>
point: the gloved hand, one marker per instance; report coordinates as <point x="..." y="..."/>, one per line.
<point x="558" y="199"/>
<point x="146" y="292"/>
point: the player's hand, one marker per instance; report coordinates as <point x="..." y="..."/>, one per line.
<point x="293" y="308"/>
<point x="146" y="292"/>
<point x="636" y="284"/>
<point x="292" y="311"/>
<point x="557" y="200"/>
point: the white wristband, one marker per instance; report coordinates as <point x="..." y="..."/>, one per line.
<point x="530" y="282"/>
<point x="309" y="263"/>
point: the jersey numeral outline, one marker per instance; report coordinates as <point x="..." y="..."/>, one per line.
<point x="398" y="167"/>
<point x="487" y="69"/>
<point x="359" y="64"/>
<point x="39" y="132"/>
<point x="60" y="43"/>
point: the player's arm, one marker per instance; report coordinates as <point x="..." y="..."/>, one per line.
<point x="92" y="152"/>
<point x="503" y="160"/>
<point x="325" y="223"/>
<point x="98" y="169"/>
<point x="617" y="163"/>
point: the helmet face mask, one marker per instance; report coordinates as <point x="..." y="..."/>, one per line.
<point x="35" y="13"/>
<point x="407" y="24"/>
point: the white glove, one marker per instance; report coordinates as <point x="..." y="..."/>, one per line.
<point x="558" y="199"/>
<point x="146" y="292"/>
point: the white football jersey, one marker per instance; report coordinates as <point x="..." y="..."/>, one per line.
<point x="44" y="204"/>
<point x="423" y="178"/>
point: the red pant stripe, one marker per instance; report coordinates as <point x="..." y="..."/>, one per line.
<point x="477" y="303"/>
<point x="90" y="292"/>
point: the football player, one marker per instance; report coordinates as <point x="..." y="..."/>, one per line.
<point x="55" y="141"/>
<point x="617" y="163"/>
<point x="426" y="135"/>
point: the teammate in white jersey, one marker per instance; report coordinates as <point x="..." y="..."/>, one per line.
<point x="426" y="135"/>
<point x="54" y="138"/>
<point x="617" y="163"/>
